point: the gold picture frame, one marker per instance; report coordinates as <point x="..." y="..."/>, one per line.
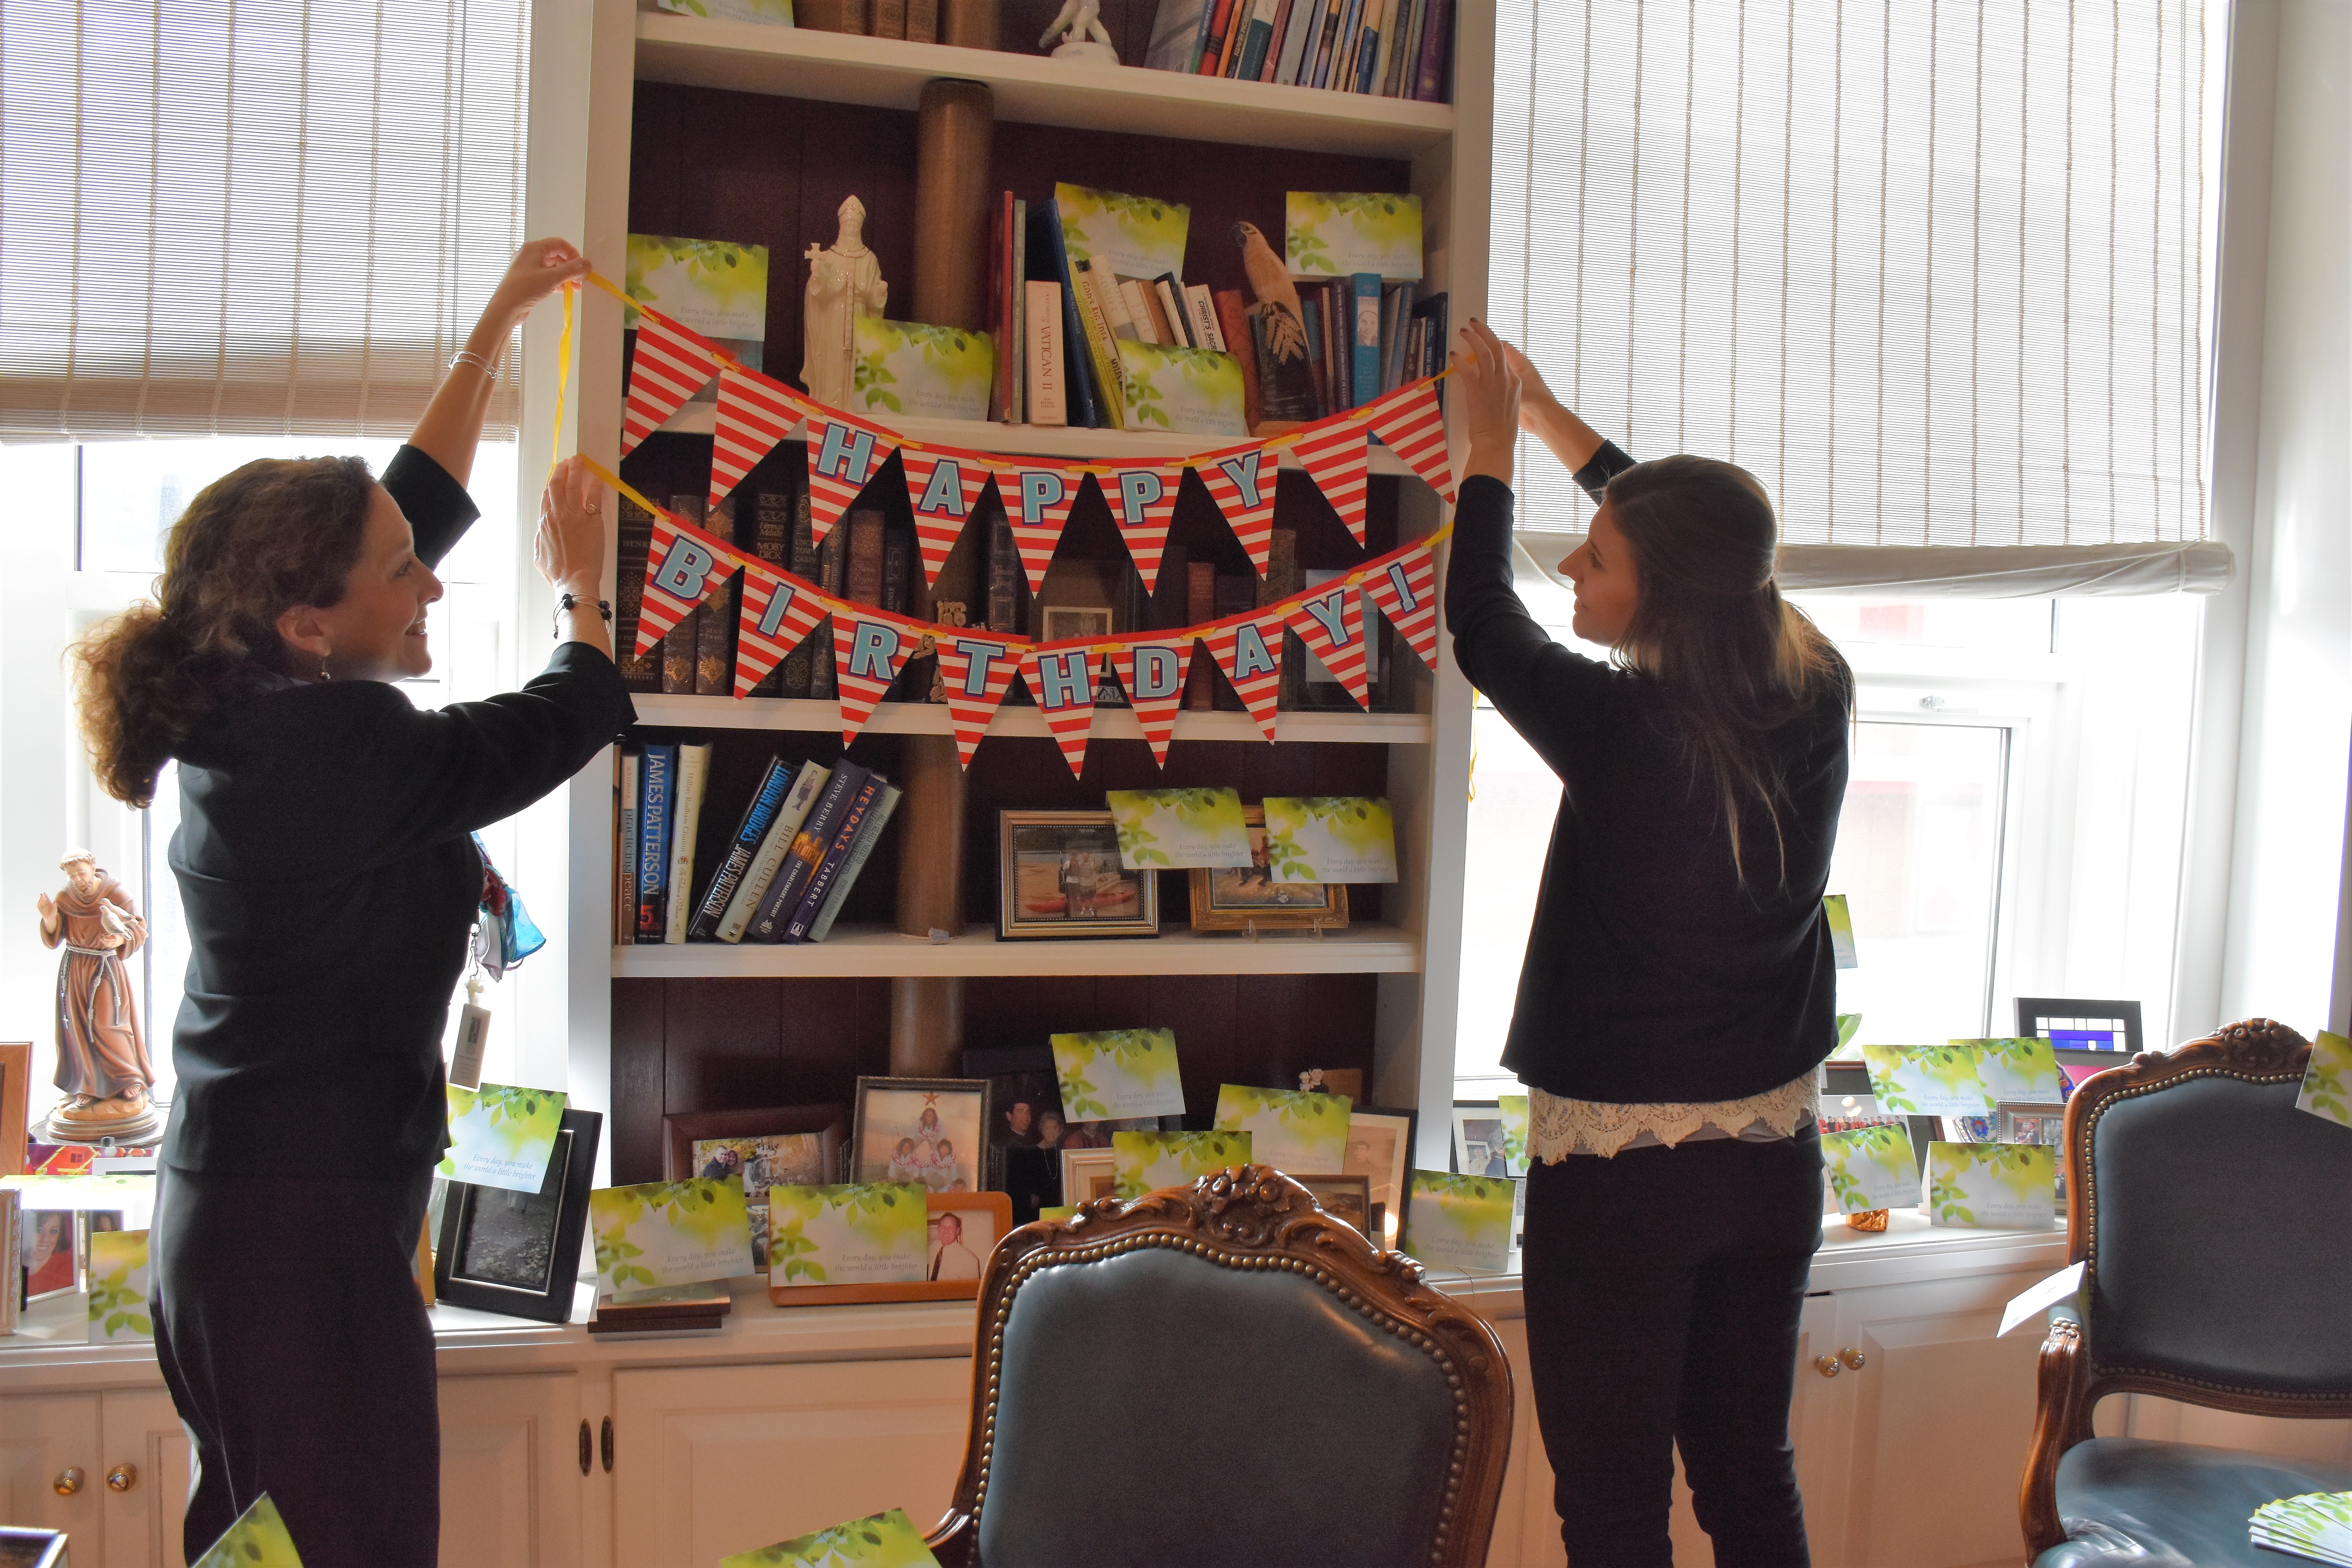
<point x="1232" y="899"/>
<point x="1044" y="859"/>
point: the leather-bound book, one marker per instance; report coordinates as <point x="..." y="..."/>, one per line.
<point x="829" y="555"/>
<point x="639" y="671"/>
<point x="1201" y="604"/>
<point x="682" y="645"/>
<point x="771" y="542"/>
<point x="1282" y="579"/>
<point x="864" y="583"/>
<point x="795" y="669"/>
<point x="714" y="637"/>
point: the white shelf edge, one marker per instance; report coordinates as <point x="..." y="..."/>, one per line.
<point x="1039" y="440"/>
<point x="806" y="714"/>
<point x="890" y="73"/>
<point x="867" y="952"/>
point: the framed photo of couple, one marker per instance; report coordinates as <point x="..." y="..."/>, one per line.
<point x="781" y="1145"/>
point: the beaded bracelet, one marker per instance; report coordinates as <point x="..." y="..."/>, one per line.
<point x="573" y="601"/>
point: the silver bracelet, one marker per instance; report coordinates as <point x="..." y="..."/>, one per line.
<point x="468" y="356"/>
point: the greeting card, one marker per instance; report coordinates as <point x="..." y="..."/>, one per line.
<point x="670" y="1233"/>
<point x="1148" y="1161"/>
<point x="1112" y="1074"/>
<point x="860" y="1233"/>
<point x="501" y="1136"/>
<point x="1294" y="1131"/>
<point x="1461" y="1221"/>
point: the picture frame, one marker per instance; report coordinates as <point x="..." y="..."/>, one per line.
<point x="1244" y="898"/>
<point x="2021" y="1123"/>
<point x="1345" y="1197"/>
<point x="933" y="1130"/>
<point x="16" y="1097"/>
<point x="518" y="1254"/>
<point x="1049" y="861"/>
<point x="2073" y="1025"/>
<point x="1381" y="1149"/>
<point x="1088" y="1174"/>
<point x="89" y="1223"/>
<point x="797" y="1143"/>
<point x="48" y="1252"/>
<point x="1061" y="623"/>
<point x="970" y="1214"/>
<point x="1476" y="1147"/>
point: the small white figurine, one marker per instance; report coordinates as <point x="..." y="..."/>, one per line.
<point x="1084" y="37"/>
<point x="844" y="283"/>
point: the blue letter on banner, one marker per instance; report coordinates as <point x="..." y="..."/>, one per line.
<point x="874" y="651"/>
<point x="686" y="571"/>
<point x="1137" y="489"/>
<point x="847" y="454"/>
<point x="1065" y="676"/>
<point x="1154" y="672"/>
<point x="1040" y="487"/>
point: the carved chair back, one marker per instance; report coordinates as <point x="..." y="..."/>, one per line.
<point x="1225" y="1373"/>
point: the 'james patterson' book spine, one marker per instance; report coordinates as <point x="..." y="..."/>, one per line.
<point x="658" y="772"/>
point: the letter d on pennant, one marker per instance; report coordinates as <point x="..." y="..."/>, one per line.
<point x="1154" y="672"/>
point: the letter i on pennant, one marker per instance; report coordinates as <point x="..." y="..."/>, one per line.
<point x="778" y="614"/>
<point x="1062" y="681"/>
<point x="867" y="655"/>
<point x="976" y="672"/>
<point x="943" y="488"/>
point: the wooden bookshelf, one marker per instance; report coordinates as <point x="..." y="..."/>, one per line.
<point x="870" y="950"/>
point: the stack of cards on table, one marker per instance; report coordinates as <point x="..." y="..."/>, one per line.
<point x="671" y="1309"/>
<point x="878" y="1540"/>
<point x="2317" y="1525"/>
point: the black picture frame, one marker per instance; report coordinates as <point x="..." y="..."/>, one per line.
<point x="561" y="1214"/>
<point x="2037" y="1016"/>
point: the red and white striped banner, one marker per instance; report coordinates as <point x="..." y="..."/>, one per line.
<point x="1411" y="423"/>
<point x="1038" y="504"/>
<point x="1250" y="653"/>
<point x="671" y="364"/>
<point x="1153" y="673"/>
<point x="682" y="566"/>
<point x="1405" y="585"/>
<point x="754" y="415"/>
<point x="778" y="613"/>
<point x="1241" y="483"/>
<point x="868" y="651"/>
<point x="1338" y="456"/>
<point x="943" y="486"/>
<point x="845" y="453"/>
<point x="1331" y="622"/>
<point x="1143" y="503"/>
<point x="977" y="671"/>
<point x="1062" y="678"/>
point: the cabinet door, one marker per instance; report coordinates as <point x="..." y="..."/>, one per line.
<point x="709" y="1461"/>
<point x="41" y="1437"/>
<point x="143" y="1443"/>
<point x="511" y="1471"/>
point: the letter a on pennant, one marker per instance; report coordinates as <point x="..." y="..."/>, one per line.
<point x="1331" y="624"/>
<point x="1062" y="681"/>
<point x="754" y="415"/>
<point x="1038" y="507"/>
<point x="778" y="613"/>
<point x="1405" y="585"/>
<point x="671" y="364"/>
<point x="1242" y="482"/>
<point x="944" y="487"/>
<point x="1143" y="503"/>
<point x="1250" y="653"/>
<point x="1337" y="454"/>
<point x="1153" y="674"/>
<point x="1410" y="424"/>
<point x="843" y="455"/>
<point x="682" y="565"/>
<point x="867" y="655"/>
<point x="976" y="671"/>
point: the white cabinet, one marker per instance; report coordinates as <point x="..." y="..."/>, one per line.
<point x="126" y="1503"/>
<point x="510" y="1478"/>
<point x="718" y="1459"/>
<point x="43" y="1436"/>
<point x="146" y="1449"/>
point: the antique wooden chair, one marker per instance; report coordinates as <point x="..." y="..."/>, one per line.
<point x="1223" y="1374"/>
<point x="2211" y="1217"/>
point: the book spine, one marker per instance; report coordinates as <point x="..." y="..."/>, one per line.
<point x="836" y="854"/>
<point x="1256" y="38"/>
<point x="1045" y="403"/>
<point x="888" y="18"/>
<point x="1112" y="294"/>
<point x="1282" y="579"/>
<point x="1233" y="323"/>
<point x="771" y="542"/>
<point x="1138" y="314"/>
<point x="1201" y="605"/>
<point x="657" y="775"/>
<point x="1201" y="37"/>
<point x="876" y="819"/>
<point x="1334" y="13"/>
<point x="1407" y="31"/>
<point x="1003" y="574"/>
<point x="693" y="769"/>
<point x="898" y="560"/>
<point x="1168" y="295"/>
<point x="923" y="21"/>
<point x="1359" y="18"/>
<point x="830" y="556"/>
<point x="1298" y="50"/>
<point x="775" y="842"/>
<point x="624" y="850"/>
<point x="1283" y="11"/>
<point x="1368" y="49"/>
<point x="1236" y="29"/>
<point x="1408" y="74"/>
<point x="1101" y="356"/>
<point x="1212" y="44"/>
<point x="782" y="899"/>
<point x="1016" y="257"/>
<point x="864" y="582"/>
<point x="639" y="671"/>
<point x="1364" y="374"/>
<point x="795" y="669"/>
<point x="714" y="630"/>
<point x="1078" y="389"/>
<point x="1436" y="33"/>
<point x="719" y="898"/>
<point x="857" y="16"/>
<point x="1201" y="311"/>
<point x="1311" y="305"/>
<point x="12" y="1279"/>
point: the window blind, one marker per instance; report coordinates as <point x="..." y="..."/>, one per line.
<point x="250" y="216"/>
<point x="1929" y="270"/>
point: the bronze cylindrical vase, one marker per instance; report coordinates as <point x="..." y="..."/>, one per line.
<point x="952" y="131"/>
<point x="972" y="24"/>
<point x="926" y="1026"/>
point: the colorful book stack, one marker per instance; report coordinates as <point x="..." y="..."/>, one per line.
<point x="1365" y="337"/>
<point x="781" y="876"/>
<point x="1387" y="49"/>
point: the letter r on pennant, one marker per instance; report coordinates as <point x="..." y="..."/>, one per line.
<point x="1065" y="675"/>
<point x="686" y="571"/>
<point x="845" y="454"/>
<point x="871" y="653"/>
<point x="1040" y="489"/>
<point x="1138" y="489"/>
<point x="1329" y="611"/>
<point x="780" y="604"/>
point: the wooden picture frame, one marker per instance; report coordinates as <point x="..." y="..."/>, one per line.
<point x="1345" y="1198"/>
<point x="973" y="1210"/>
<point x="1088" y="1175"/>
<point x="1391" y="1177"/>
<point x="969" y="1122"/>
<point x="1044" y="844"/>
<point x="1220" y="903"/>
<point x="683" y="1129"/>
<point x="15" y="1103"/>
<point x="559" y="1211"/>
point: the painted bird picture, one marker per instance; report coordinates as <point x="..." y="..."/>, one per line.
<point x="1285" y="375"/>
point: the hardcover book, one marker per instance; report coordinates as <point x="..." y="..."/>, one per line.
<point x="758" y="813"/>
<point x="793" y="675"/>
<point x="656" y="774"/>
<point x="782" y="899"/>
<point x="776" y="839"/>
<point x="877" y="817"/>
<point x="1049" y="260"/>
<point x="714" y="634"/>
<point x="836" y="856"/>
<point x="639" y="671"/>
<point x="693" y="768"/>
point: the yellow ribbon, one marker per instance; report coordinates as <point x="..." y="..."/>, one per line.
<point x="562" y="374"/>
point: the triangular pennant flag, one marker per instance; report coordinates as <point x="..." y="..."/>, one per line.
<point x="1242" y="482"/>
<point x="671" y="364"/>
<point x="1336" y="454"/>
<point x="1331" y="622"/>
<point x="944" y="486"/>
<point x="867" y="652"/>
<point x="1153" y="674"/>
<point x="1037" y="505"/>
<point x="1062" y="678"/>
<point x="976" y="671"/>
<point x="683" y="564"/>
<point x="779" y="612"/>
<point x="1250" y="653"/>
<point x="1406" y="588"/>
<point x="843" y="456"/>
<point x="1143" y="503"/>
<point x="1411" y="423"/>
<point x="754" y="413"/>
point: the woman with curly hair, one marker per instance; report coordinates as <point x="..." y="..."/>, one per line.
<point x="326" y="862"/>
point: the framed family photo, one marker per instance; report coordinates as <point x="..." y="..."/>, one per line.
<point x="960" y="1230"/>
<point x="932" y="1131"/>
<point x="1345" y="1197"/>
<point x="1380" y="1148"/>
<point x="517" y="1253"/>
<point x="1248" y="897"/>
<point x="782" y="1145"/>
<point x="1058" y="876"/>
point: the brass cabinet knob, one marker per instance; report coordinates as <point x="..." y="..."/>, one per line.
<point x="68" y="1482"/>
<point x="1827" y="1365"/>
<point x="123" y="1477"/>
<point x="1852" y="1358"/>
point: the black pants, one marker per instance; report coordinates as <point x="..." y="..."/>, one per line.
<point x="297" y="1349"/>
<point x="1663" y="1292"/>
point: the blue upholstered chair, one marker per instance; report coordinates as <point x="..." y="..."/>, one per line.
<point x="1223" y="1373"/>
<point x="2211" y="1219"/>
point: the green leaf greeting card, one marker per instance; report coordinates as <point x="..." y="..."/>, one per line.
<point x="1113" y="1074"/>
<point x="928" y="373"/>
<point x="1150" y="1159"/>
<point x="258" y="1539"/>
<point x="1461" y="1221"/>
<point x="1295" y="1132"/>
<point x="2327" y="1081"/>
<point x="1330" y="838"/>
<point x="1135" y="237"/>
<point x="712" y="286"/>
<point x="118" y="1287"/>
<point x="670" y="1233"/>
<point x="1926" y="1080"/>
<point x="860" y="1233"/>
<point x="2010" y="1186"/>
<point x="1332" y="233"/>
<point x="878" y="1540"/>
<point x="2016" y="1070"/>
<point x="1841" y="930"/>
<point x="1182" y="391"/>
<point x="1872" y="1168"/>
<point x="1178" y="828"/>
<point x="501" y="1136"/>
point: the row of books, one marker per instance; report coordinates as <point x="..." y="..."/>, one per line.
<point x="783" y="878"/>
<point x="1385" y="48"/>
<point x="915" y="19"/>
<point x="1365" y="337"/>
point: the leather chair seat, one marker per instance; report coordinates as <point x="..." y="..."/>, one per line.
<point x="2173" y="1505"/>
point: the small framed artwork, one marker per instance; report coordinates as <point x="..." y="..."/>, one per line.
<point x="1487" y="1142"/>
<point x="961" y="1231"/>
<point x="1058" y="876"/>
<point x="783" y="1146"/>
<point x="89" y="1223"/>
<point x="1380" y="1148"/>
<point x="1246" y="897"/>
<point x="929" y="1131"/>
<point x="1088" y="1174"/>
<point x="1345" y="1197"/>
<point x="517" y="1253"/>
<point x="1066" y="622"/>
<point x="15" y="1093"/>
<point x="2039" y="1125"/>
<point x="45" y="1253"/>
<point x="2082" y="1024"/>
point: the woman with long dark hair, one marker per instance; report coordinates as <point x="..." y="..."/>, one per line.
<point x="326" y="862"/>
<point x="1678" y="990"/>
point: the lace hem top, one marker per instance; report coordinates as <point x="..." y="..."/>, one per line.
<point x="1559" y="1127"/>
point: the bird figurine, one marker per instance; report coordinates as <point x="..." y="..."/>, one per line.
<point x="1286" y="373"/>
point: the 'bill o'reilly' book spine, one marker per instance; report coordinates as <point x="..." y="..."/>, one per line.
<point x="741" y="848"/>
<point x="783" y="899"/>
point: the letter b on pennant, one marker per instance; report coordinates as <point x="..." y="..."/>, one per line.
<point x="686" y="571"/>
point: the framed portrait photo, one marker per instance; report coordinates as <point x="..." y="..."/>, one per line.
<point x="1058" y="876"/>
<point x="1088" y="1174"/>
<point x="517" y="1253"/>
<point x="932" y="1131"/>
<point x="782" y="1145"/>
<point x="1248" y="897"/>
<point x="1345" y="1197"/>
<point x="961" y="1232"/>
<point x="1380" y="1150"/>
<point x="46" y="1248"/>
